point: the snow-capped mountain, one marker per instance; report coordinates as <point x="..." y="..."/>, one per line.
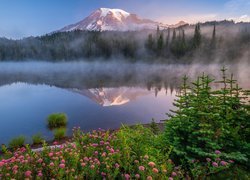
<point x="105" y="19"/>
<point x="112" y="96"/>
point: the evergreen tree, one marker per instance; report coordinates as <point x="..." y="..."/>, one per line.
<point x="213" y="40"/>
<point x="167" y="38"/>
<point x="160" y="44"/>
<point x="150" y="43"/>
<point x="197" y="37"/>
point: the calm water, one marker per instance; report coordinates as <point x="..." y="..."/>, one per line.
<point x="93" y="95"/>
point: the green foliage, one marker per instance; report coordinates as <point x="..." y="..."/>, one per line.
<point x="154" y="127"/>
<point x="17" y="142"/>
<point x="59" y="133"/>
<point x="37" y="138"/>
<point x="57" y="120"/>
<point x="207" y="120"/>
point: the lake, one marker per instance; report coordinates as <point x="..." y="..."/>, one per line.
<point x="93" y="95"/>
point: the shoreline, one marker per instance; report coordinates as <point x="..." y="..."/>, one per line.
<point x="51" y="143"/>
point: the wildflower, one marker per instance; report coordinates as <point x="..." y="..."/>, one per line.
<point x="141" y="168"/>
<point x="136" y="161"/>
<point x="217" y="152"/>
<point x="55" y="143"/>
<point x="86" y="159"/>
<point x="96" y="153"/>
<point x="223" y="163"/>
<point x="51" y="164"/>
<point x="173" y="174"/>
<point x="50" y="154"/>
<point x="231" y="161"/>
<point x="155" y="170"/>
<point x="63" y="161"/>
<point x="164" y="170"/>
<point x="27" y="174"/>
<point x="40" y="160"/>
<point x="62" y="166"/>
<point x="208" y="159"/>
<point x="215" y="164"/>
<point x="1" y="163"/>
<point x="127" y="176"/>
<point x="39" y="174"/>
<point x="117" y="165"/>
<point x="92" y="167"/>
<point x="151" y="164"/>
<point x="137" y="176"/>
<point x="149" y="178"/>
<point x="103" y="174"/>
<point x="83" y="164"/>
<point x="146" y="157"/>
<point x="170" y="178"/>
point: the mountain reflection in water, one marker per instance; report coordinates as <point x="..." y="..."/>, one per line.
<point x="93" y="95"/>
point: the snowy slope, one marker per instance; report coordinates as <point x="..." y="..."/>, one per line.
<point x="105" y="19"/>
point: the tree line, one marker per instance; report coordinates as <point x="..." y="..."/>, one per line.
<point x="178" y="45"/>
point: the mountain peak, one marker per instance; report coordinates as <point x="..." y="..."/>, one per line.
<point x="107" y="19"/>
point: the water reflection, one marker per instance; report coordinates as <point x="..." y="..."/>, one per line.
<point x="93" y="95"/>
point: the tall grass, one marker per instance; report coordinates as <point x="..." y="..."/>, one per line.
<point x="37" y="138"/>
<point x="17" y="142"/>
<point x="57" y="120"/>
<point x="59" y="133"/>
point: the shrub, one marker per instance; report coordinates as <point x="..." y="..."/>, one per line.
<point x="59" y="133"/>
<point x="17" y="142"/>
<point x="37" y="138"/>
<point x="207" y="120"/>
<point x="57" y="120"/>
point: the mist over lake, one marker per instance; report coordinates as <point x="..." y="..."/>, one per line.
<point x="93" y="95"/>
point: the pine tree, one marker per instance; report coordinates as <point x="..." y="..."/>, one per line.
<point x="150" y="43"/>
<point x="160" y="44"/>
<point x="197" y="37"/>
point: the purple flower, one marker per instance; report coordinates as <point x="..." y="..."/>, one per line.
<point x="217" y="152"/>
<point x="215" y="164"/>
<point x="223" y="163"/>
<point x="208" y="159"/>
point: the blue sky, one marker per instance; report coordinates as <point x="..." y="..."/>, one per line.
<point x="22" y="18"/>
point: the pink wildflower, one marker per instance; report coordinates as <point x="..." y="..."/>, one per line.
<point x="155" y="170"/>
<point x="1" y="163"/>
<point x="151" y="164"/>
<point x="141" y="168"/>
<point x="173" y="174"/>
<point x="223" y="163"/>
<point x="208" y="159"/>
<point x="103" y="174"/>
<point x="170" y="178"/>
<point x="215" y="164"/>
<point x="63" y="161"/>
<point x="117" y="165"/>
<point x="137" y="176"/>
<point x="83" y="164"/>
<point x="149" y="178"/>
<point x="39" y="174"/>
<point x="51" y="164"/>
<point x="92" y="167"/>
<point x="40" y="160"/>
<point x="62" y="166"/>
<point x="27" y="173"/>
<point x="217" y="152"/>
<point x="127" y="176"/>
<point x="50" y="154"/>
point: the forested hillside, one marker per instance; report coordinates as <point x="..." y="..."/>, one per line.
<point x="223" y="41"/>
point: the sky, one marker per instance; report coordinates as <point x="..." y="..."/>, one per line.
<point x="23" y="18"/>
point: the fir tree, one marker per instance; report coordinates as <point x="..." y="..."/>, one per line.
<point x="197" y="37"/>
